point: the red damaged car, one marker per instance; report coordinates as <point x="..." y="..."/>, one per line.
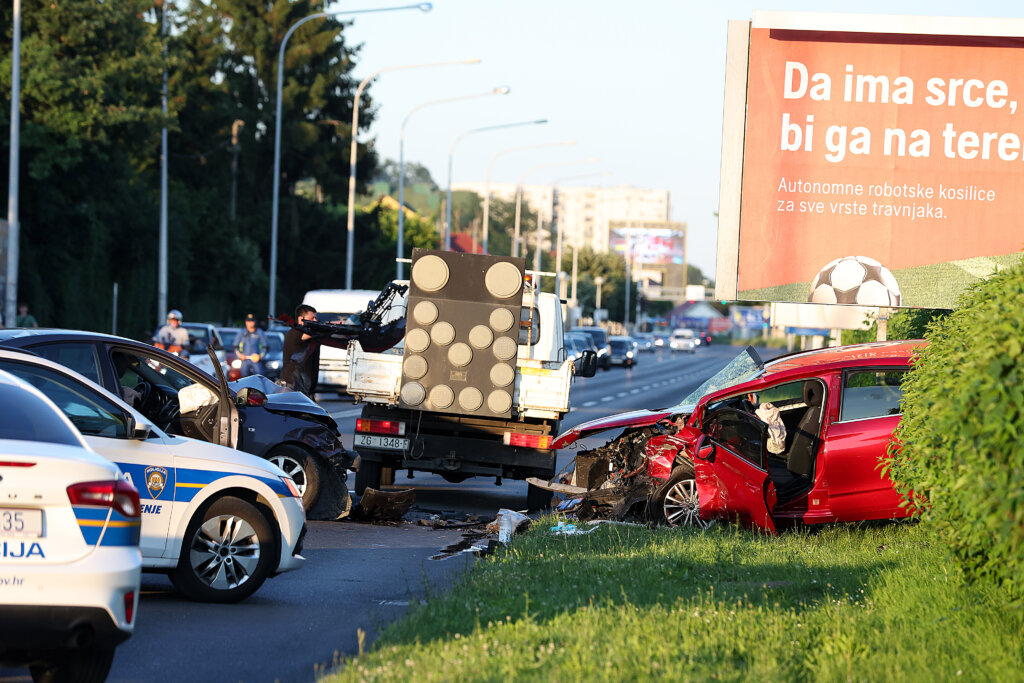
<point x="797" y="439"/>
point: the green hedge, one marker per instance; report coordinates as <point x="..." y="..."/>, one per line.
<point x="963" y="430"/>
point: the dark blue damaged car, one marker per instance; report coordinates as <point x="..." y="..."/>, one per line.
<point x="251" y="414"/>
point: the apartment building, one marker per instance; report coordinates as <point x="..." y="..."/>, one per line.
<point x="583" y="213"/>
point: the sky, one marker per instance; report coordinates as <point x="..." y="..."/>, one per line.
<point x="638" y="85"/>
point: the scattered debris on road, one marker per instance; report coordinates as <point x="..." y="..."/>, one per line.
<point x="473" y="542"/>
<point x="385" y="506"/>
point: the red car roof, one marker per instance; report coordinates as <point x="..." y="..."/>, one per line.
<point x="897" y="352"/>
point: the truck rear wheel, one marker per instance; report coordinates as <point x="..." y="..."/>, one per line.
<point x="368" y="475"/>
<point x="537" y="498"/>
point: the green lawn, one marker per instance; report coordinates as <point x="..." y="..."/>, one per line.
<point x="623" y="603"/>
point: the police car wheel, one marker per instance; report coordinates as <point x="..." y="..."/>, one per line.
<point x="81" y="666"/>
<point x="227" y="553"/>
<point x="304" y="469"/>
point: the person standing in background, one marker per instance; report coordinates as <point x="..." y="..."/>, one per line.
<point x="25" y="319"/>
<point x="172" y="336"/>
<point x="251" y="345"/>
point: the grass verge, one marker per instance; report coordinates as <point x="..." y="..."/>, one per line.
<point x="625" y="603"/>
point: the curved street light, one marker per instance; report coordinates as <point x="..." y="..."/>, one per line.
<point x="503" y="90"/>
<point x="451" y="153"/>
<point x="487" y="179"/>
<point x="351" y="212"/>
<point x="422" y="6"/>
<point x="519" y="203"/>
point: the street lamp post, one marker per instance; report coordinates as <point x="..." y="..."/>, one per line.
<point x="519" y="194"/>
<point x="504" y="90"/>
<point x="451" y="153"/>
<point x="598" y="281"/>
<point x="351" y="213"/>
<point x="487" y="179"/>
<point x="11" y="286"/>
<point x="423" y="6"/>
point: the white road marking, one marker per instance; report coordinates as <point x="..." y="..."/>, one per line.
<point x="634" y="391"/>
<point x="607" y="398"/>
<point x="589" y="404"/>
<point x="621" y="394"/>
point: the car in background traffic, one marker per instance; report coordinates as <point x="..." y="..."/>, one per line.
<point x="644" y="340"/>
<point x="231" y="362"/>
<point x="582" y="342"/>
<point x="600" y="337"/>
<point x="217" y="521"/>
<point x="624" y="351"/>
<point x="661" y="341"/>
<point x="683" y="339"/>
<point x="251" y="414"/>
<point x="69" y="529"/>
<point x="273" y="360"/>
<point x="713" y="456"/>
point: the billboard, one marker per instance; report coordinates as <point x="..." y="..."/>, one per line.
<point x="870" y="160"/>
<point x="657" y="243"/>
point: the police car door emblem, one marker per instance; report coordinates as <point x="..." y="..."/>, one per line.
<point x="156" y="479"/>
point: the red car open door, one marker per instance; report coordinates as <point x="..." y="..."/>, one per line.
<point x="730" y="469"/>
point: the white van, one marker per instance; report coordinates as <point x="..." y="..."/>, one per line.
<point x="333" y="305"/>
<point x="683" y="339"/>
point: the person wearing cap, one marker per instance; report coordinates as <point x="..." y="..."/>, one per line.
<point x="251" y="345"/>
<point x="172" y="336"/>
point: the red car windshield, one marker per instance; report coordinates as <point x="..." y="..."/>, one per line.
<point x="743" y="368"/>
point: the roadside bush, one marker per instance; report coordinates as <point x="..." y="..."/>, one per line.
<point x="963" y="431"/>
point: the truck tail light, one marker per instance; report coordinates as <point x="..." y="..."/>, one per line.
<point x="393" y="427"/>
<point x="118" y="494"/>
<point x="526" y="440"/>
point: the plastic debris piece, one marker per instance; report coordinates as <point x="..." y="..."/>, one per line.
<point x="509" y="522"/>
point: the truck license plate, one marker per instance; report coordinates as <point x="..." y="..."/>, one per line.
<point x="20" y="523"/>
<point x="392" y="443"/>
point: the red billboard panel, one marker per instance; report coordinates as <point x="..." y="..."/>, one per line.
<point x="881" y="159"/>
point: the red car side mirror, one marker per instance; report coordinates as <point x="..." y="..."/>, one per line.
<point x="705" y="449"/>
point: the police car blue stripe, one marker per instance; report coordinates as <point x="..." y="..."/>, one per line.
<point x="91" y="521"/>
<point x="121" y="535"/>
<point x="183" y="484"/>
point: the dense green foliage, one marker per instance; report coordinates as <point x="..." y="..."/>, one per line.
<point x="906" y="323"/>
<point x="962" y="431"/>
<point x="872" y="603"/>
<point x="90" y="153"/>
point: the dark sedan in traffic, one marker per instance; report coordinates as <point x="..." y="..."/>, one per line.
<point x="252" y="414"/>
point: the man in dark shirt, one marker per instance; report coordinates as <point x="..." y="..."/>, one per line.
<point x="301" y="356"/>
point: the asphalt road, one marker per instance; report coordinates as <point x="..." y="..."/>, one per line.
<point x="362" y="576"/>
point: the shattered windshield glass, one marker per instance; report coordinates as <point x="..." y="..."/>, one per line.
<point x="740" y="369"/>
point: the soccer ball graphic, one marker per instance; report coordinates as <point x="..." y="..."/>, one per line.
<point x="855" y="280"/>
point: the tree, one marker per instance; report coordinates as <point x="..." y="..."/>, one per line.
<point x="90" y="117"/>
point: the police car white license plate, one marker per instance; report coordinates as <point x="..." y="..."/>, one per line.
<point x="20" y="523"/>
<point x="392" y="443"/>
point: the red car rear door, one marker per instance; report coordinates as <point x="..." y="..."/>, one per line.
<point x="730" y="467"/>
<point x="858" y="441"/>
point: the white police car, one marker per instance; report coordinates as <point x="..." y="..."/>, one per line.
<point x="217" y="520"/>
<point x="69" y="544"/>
